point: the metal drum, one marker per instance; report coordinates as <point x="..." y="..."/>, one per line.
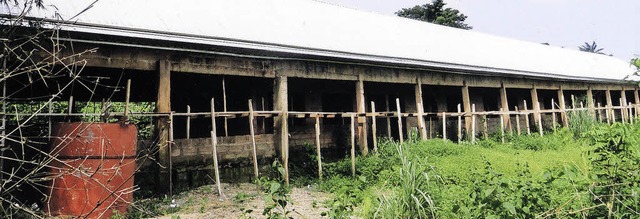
<point x="93" y="169"/>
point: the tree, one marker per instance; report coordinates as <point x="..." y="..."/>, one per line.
<point x="436" y="13"/>
<point x="592" y="48"/>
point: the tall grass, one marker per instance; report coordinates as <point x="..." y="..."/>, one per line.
<point x="410" y="197"/>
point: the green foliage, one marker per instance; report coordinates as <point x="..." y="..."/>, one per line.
<point x="592" y="48"/>
<point x="615" y="162"/>
<point x="278" y="194"/>
<point x="436" y="13"/>
<point x="411" y="197"/>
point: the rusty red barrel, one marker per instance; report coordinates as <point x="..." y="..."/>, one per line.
<point x="93" y="170"/>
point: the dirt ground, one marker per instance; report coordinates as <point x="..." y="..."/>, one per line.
<point x="204" y="202"/>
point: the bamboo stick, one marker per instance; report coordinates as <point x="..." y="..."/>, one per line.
<point x="613" y="115"/>
<point x="553" y="115"/>
<point x="353" y="146"/>
<point x="444" y="126"/>
<point x="126" y="101"/>
<point x="630" y="113"/>
<point x="386" y="101"/>
<point x="517" y="121"/>
<point x="459" y="123"/>
<point x="599" y="113"/>
<point x="573" y="101"/>
<point x="540" y="122"/>
<point x="170" y="151"/>
<point x="224" y="106"/>
<point x="420" y="117"/>
<point x="318" y="152"/>
<point x="214" y="145"/>
<point x="473" y="123"/>
<point x="430" y="127"/>
<point x="526" y="117"/>
<point x="374" y="127"/>
<point x="188" y="122"/>
<point x="399" y="120"/>
<point x="622" y="118"/>
<point x="70" y="107"/>
<point x="253" y="139"/>
<point x="502" y="126"/>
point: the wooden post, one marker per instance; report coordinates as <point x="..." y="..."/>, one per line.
<point x="553" y="115"/>
<point x="636" y="97"/>
<point x="486" y="128"/>
<point x="466" y="101"/>
<point x="224" y="106"/>
<point x="126" y="101"/>
<point x="459" y="123"/>
<point x="535" y="105"/>
<point x="188" y="122"/>
<point x="318" y="153"/>
<point x="70" y="107"/>
<point x="517" y="120"/>
<point x="610" y="112"/>
<point x="505" y="106"/>
<point x="253" y="139"/>
<point x="386" y="101"/>
<point x="420" y="107"/>
<point x="526" y="117"/>
<point x="171" y="142"/>
<point x="540" y="121"/>
<point x="473" y="123"/>
<point x="281" y="127"/>
<point x="444" y="126"/>
<point x="502" y="124"/>
<point x="399" y="120"/>
<point x="573" y="102"/>
<point x="353" y="146"/>
<point x="362" y="120"/>
<point x="214" y="146"/>
<point x="163" y="105"/>
<point x="623" y="103"/>
<point x="563" y="112"/>
<point x="590" y="103"/>
<point x="374" y="127"/>
<point x="622" y="111"/>
<point x="599" y="113"/>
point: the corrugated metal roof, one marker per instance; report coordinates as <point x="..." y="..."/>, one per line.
<point x="317" y="28"/>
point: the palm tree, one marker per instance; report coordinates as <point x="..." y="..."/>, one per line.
<point x="592" y="48"/>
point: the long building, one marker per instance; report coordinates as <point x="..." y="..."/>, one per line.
<point x="291" y="58"/>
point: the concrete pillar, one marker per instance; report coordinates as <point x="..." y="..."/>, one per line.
<point x="466" y="102"/>
<point x="362" y="120"/>
<point x="536" y="106"/>
<point x="504" y="104"/>
<point x="561" y="102"/>
<point x="623" y="96"/>
<point x="591" y="102"/>
<point x="280" y="122"/>
<point x="420" y="109"/>
<point x="163" y="105"/>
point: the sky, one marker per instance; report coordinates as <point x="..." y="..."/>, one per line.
<point x="613" y="24"/>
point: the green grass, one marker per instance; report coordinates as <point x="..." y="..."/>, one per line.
<point x="453" y="172"/>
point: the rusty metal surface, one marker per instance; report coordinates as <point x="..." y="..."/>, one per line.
<point x="93" y="175"/>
